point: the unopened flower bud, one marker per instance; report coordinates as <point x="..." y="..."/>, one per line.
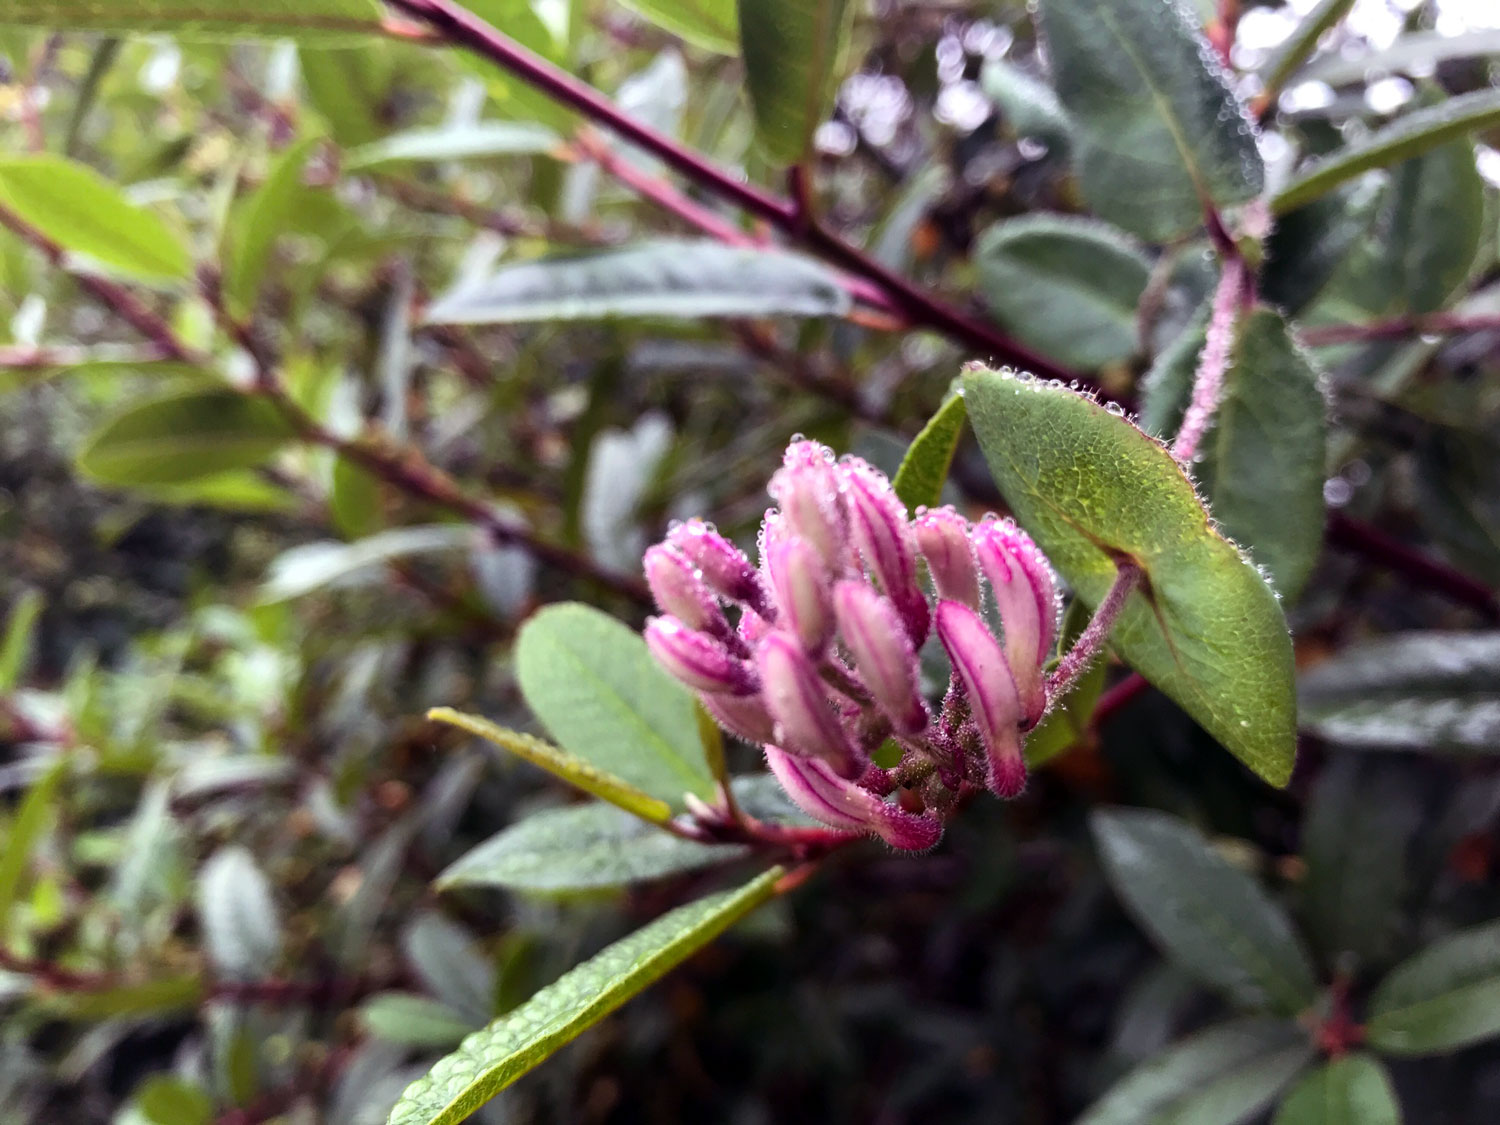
<point x="877" y="523"/>
<point x="806" y="722"/>
<point x="723" y="566"/>
<point x="824" y="796"/>
<point x="994" y="703"/>
<point x="744" y="716"/>
<point x="1025" y="589"/>
<point x="883" y="654"/>
<point x="698" y="660"/>
<point x="806" y="488"/>
<point x="800" y="584"/>
<point x="943" y="537"/>
<point x="680" y="592"/>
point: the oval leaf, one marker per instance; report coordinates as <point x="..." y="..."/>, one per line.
<point x="1353" y="1090"/>
<point x="184" y="437"/>
<point x="1090" y="487"/>
<point x="1445" y="997"/>
<point x="414" y="1021"/>
<point x="709" y="24"/>
<point x="491" y="1059"/>
<point x="84" y="213"/>
<point x="454" y="142"/>
<point x="238" y="915"/>
<point x="1210" y="917"/>
<point x="321" y="21"/>
<point x="1066" y="286"/>
<point x="252" y="232"/>
<point x="1155" y="129"/>
<point x="791" y="50"/>
<point x="924" y="468"/>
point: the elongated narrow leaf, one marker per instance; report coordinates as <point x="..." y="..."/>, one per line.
<point x="1445" y="997"/>
<point x="1415" y="52"/>
<point x="26" y="826"/>
<point x="491" y="1059"/>
<point x="1207" y="915"/>
<point x="15" y="647"/>
<point x="150" y="998"/>
<point x="1352" y="1090"/>
<point x="1090" y="487"/>
<point x="414" y="1021"/>
<point x="667" y="278"/>
<point x="596" y="688"/>
<point x="1067" y="286"/>
<point x="1412" y="135"/>
<point x="300" y="570"/>
<point x="705" y="23"/>
<point x="1302" y="42"/>
<point x="84" y="213"/>
<point x="791" y="50"/>
<point x="583" y="847"/>
<point x="575" y="771"/>
<point x="1165" y="1088"/>
<point x="452" y="142"/>
<point x="924" y="469"/>
<point x="238" y="915"/>
<point x="1156" y="131"/>
<point x="256" y="223"/>
<point x="183" y="437"/>
<point x="1432" y="691"/>
<point x="321" y="21"/>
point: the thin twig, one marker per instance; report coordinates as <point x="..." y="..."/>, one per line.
<point x="1396" y="328"/>
<point x="1091" y="641"/>
<point x="1379" y="547"/>
<point x="1208" y="382"/>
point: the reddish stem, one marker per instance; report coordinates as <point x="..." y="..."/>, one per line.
<point x="1379" y="547"/>
<point x="1396" y="328"/>
<point x="1091" y="641"/>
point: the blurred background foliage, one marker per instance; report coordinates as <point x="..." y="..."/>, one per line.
<point x="514" y="347"/>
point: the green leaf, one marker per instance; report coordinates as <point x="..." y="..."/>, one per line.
<point x="1302" y="42"/>
<point x="1308" y="245"/>
<point x="1156" y="132"/>
<point x="1089" y="486"/>
<point x="1420" y="131"/>
<point x="491" y="1059"/>
<point x="924" y="468"/>
<point x="241" y="928"/>
<point x="354" y="499"/>
<point x="257" y="222"/>
<point x="1066" y="723"/>
<point x="791" y="50"/>
<point x="1432" y="226"/>
<point x="1237" y="1068"/>
<point x="1167" y="385"/>
<point x="679" y="279"/>
<point x="319" y="21"/>
<point x="20" y="622"/>
<point x="184" y="436"/>
<point x="85" y="214"/>
<point x="575" y="771"/>
<point x="1030" y="106"/>
<point x="31" y="819"/>
<point x="133" y="1001"/>
<point x="454" y="142"/>
<point x="451" y="966"/>
<point x="1067" y="286"/>
<point x="582" y="847"/>
<point x="1415" y="52"/>
<point x="164" y="1100"/>
<point x="710" y="24"/>
<point x="237" y="490"/>
<point x="598" y="691"/>
<point x="414" y="1021"/>
<point x="1445" y="997"/>
<point x="1431" y="691"/>
<point x="1265" y="456"/>
<point x="1210" y="917"/>
<point x="299" y="571"/>
<point x="1352" y="1090"/>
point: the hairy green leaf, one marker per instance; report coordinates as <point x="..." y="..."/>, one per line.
<point x="791" y="50"/>
<point x="924" y="468"/>
<point x="1351" y="1090"/>
<point x="1445" y="997"/>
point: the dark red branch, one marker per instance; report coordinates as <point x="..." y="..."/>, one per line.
<point x="1396" y="556"/>
<point x="1434" y="324"/>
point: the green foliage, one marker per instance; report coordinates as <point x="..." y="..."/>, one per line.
<point x="1352" y="1090"/>
<point x="1445" y="997"/>
<point x="310" y="20"/>
<point x="924" y="468"/>
<point x="705" y="23"/>
<point x="791" y="50"/>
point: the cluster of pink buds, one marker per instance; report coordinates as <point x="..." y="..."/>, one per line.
<point x="820" y="665"/>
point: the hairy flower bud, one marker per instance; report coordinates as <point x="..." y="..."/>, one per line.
<point x="981" y="667"/>
<point x="883" y="654"/>
<point x="723" y="566"/>
<point x="878" y="526"/>
<point x="806" y="488"/>
<point x="943" y="538"/>
<point x="698" y="660"/>
<point x="800" y="584"/>
<point x="1025" y="590"/>
<point x="744" y="716"/>
<point x="681" y="593"/>
<point x="806" y="722"/>
<point x="825" y="796"/>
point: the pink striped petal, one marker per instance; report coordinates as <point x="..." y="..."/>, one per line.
<point x="806" y="722"/>
<point x="980" y="665"/>
<point x="1025" y="589"/>
<point x="943" y="538"/>
<point x="824" y="796"/>
<point x="883" y="654"/>
<point x="806" y="488"/>
<point x="698" y="660"/>
<point x="800" y="584"/>
<point x="878" y="526"/>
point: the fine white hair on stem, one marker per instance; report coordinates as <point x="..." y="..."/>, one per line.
<point x="1208" y="381"/>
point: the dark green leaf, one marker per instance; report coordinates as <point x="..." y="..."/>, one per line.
<point x="257" y="222"/>
<point x="665" y="278"/>
<point x="308" y="20"/>
<point x="1067" y="286"/>
<point x="20" y="621"/>
<point x="1089" y="486"/>
<point x="84" y="213"/>
<point x="1030" y="106"/>
<point x="491" y="1059"/>
<point x="184" y="436"/>
<point x="451" y="966"/>
<point x="136" y="1001"/>
<point x="1302" y="42"/>
<point x="791" y="50"/>
<point x="1432" y="691"/>
<point x="582" y="847"/>
<point x="354" y="499"/>
<point x="705" y="23"/>
<point x="1352" y="1090"/>
<point x="414" y="1021"/>
<point x="1308" y="245"/>
<point x="1210" y="917"/>
<point x="1432" y="226"/>
<point x="596" y="688"/>
<point x="924" y="468"/>
<point x="455" y="142"/>
<point x="1445" y="997"/>
<point x="1167" y="386"/>
<point x="1156" y="131"/>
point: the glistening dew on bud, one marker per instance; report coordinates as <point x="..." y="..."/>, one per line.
<point x="698" y="660"/>
<point x="806" y="722"/>
<point x="722" y="566"/>
<point x="943" y="538"/>
<point x="806" y="488"/>
<point x="799" y="583"/>
<point x="879" y="527"/>
<point x="1025" y="590"/>
<point x="883" y="654"/>
<point x="681" y="593"/>
<point x="995" y="705"/>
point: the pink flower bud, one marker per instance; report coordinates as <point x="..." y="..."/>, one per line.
<point x="680" y="592"/>
<point x="800" y="584"/>
<point x="824" y="796"/>
<point x="744" y="716"/>
<point x="806" y="488"/>
<point x="980" y="665"/>
<point x="877" y="523"/>
<point x="722" y="565"/>
<point x="943" y="538"/>
<point x="883" y="654"/>
<point x="1025" y="589"/>
<point x="806" y="722"/>
<point x="752" y="628"/>
<point x="697" y="659"/>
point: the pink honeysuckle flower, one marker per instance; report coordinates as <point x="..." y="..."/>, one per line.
<point x="981" y="667"/>
<point x="806" y="488"/>
<point x="883" y="536"/>
<point x="744" y="716"/>
<point x="806" y="721"/>
<point x="943" y="538"/>
<point x="1025" y="589"/>
<point x="723" y="567"/>
<point x="799" y="582"/>
<point x="698" y="660"/>
<point x="883" y="654"/>
<point x="825" y="796"/>
<point x="680" y="592"/>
